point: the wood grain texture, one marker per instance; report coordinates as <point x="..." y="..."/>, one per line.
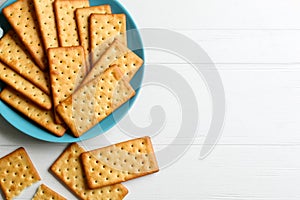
<point x="257" y="58"/>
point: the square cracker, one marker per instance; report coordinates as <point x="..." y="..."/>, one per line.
<point x="119" y="162"/>
<point x="26" y="88"/>
<point x="21" y="16"/>
<point x="15" y="55"/>
<point x="17" y="172"/>
<point x="67" y="69"/>
<point x="94" y="101"/>
<point x="46" y="20"/>
<point x="65" y="20"/>
<point x="45" y="193"/>
<point x="68" y="169"/>
<point x="42" y="117"/>
<point x="82" y="18"/>
<point x="104" y="29"/>
<point x="117" y="54"/>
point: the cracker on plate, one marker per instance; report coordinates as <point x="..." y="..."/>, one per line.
<point x="65" y="21"/>
<point x="67" y="68"/>
<point x="42" y="117"/>
<point x="82" y="19"/>
<point x="104" y="29"/>
<point x="94" y="101"/>
<point x="21" y="16"/>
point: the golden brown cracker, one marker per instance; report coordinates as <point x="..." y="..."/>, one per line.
<point x="17" y="172"/>
<point x="26" y="88"/>
<point x="45" y="193"/>
<point x="67" y="70"/>
<point x="46" y="20"/>
<point x="68" y="169"/>
<point x="82" y="19"/>
<point x="94" y="101"/>
<point x="120" y="162"/>
<point x="42" y="117"/>
<point x="65" y="21"/>
<point x="15" y="55"/>
<point x="104" y="29"/>
<point x="21" y="16"/>
<point x="117" y="54"/>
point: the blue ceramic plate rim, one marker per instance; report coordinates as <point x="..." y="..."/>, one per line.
<point x="30" y="128"/>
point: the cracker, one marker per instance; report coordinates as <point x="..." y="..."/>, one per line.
<point x="103" y="30"/>
<point x="82" y="19"/>
<point x="120" y="162"/>
<point x="24" y="87"/>
<point x="45" y="193"/>
<point x="46" y="20"/>
<point x="66" y="23"/>
<point x="67" y="70"/>
<point x="17" y="172"/>
<point x="42" y="117"/>
<point x="117" y="54"/>
<point x="21" y="16"/>
<point x="15" y="55"/>
<point x="94" y="101"/>
<point x="68" y="169"/>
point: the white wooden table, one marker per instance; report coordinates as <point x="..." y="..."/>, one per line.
<point x="255" y="46"/>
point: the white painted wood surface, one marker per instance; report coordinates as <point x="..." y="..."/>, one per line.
<point x="255" y="45"/>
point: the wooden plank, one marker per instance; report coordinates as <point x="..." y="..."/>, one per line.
<point x="234" y="47"/>
<point x="231" y="172"/>
<point x="216" y="14"/>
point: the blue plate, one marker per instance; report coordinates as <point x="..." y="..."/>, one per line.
<point x="30" y="128"/>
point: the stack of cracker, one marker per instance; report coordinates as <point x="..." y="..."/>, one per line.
<point x="65" y="63"/>
<point x="89" y="175"/>
<point x="98" y="174"/>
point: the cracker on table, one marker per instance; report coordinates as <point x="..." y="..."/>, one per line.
<point x="82" y="18"/>
<point x="94" y="101"/>
<point x="24" y="87"/>
<point x="45" y="193"/>
<point x="67" y="69"/>
<point x="117" y="54"/>
<point x="17" y="172"/>
<point x="65" y="21"/>
<point x="21" y="16"/>
<point x="104" y="29"/>
<point x="46" y="20"/>
<point x="15" y="55"/>
<point x="42" y="117"/>
<point x="119" y="162"/>
<point x="68" y="169"/>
